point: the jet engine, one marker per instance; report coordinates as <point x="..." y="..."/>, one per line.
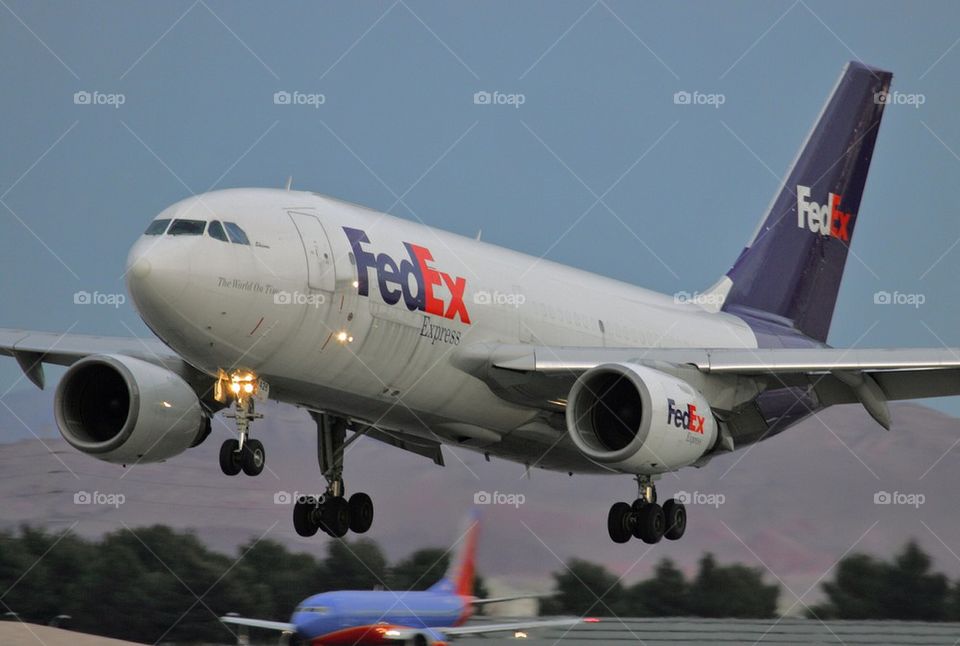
<point x="120" y="409"/>
<point x="635" y="419"/>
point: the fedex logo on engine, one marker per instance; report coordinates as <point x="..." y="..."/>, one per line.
<point x="394" y="279"/>
<point x="825" y="219"/>
<point x="684" y="417"/>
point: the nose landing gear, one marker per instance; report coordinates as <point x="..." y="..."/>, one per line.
<point x="243" y="453"/>
<point x="332" y="512"/>
<point x="645" y="519"/>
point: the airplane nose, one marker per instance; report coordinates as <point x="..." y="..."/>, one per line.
<point x="139" y="268"/>
<point x="157" y="272"/>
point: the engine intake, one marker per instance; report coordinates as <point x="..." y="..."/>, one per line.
<point x="635" y="419"/>
<point x="121" y="409"/>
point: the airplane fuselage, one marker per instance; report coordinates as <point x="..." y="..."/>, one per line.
<point x="347" y="310"/>
<point x="368" y="616"/>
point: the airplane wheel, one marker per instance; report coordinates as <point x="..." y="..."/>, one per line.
<point x="336" y="516"/>
<point x="254" y="457"/>
<point x="650" y="523"/>
<point x="303" y="519"/>
<point x="230" y="457"/>
<point x="675" y="515"/>
<point x="618" y="522"/>
<point x="361" y="512"/>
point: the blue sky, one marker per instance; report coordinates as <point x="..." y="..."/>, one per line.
<point x="687" y="183"/>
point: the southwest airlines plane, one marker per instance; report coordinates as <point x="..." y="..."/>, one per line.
<point x="352" y="617"/>
<point x="418" y="338"/>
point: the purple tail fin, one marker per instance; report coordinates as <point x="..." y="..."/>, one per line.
<point x="790" y="271"/>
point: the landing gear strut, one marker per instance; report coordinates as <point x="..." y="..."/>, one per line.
<point x="332" y="512"/>
<point x="243" y="454"/>
<point x="645" y="519"/>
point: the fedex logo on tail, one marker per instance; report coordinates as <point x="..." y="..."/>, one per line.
<point x="684" y="417"/>
<point x="393" y="279"/>
<point x="825" y="219"/>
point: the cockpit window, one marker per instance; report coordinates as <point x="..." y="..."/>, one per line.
<point x="187" y="228"/>
<point x="236" y="233"/>
<point x="157" y="227"/>
<point x="215" y="230"/>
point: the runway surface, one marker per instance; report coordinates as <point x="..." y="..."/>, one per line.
<point x="650" y="632"/>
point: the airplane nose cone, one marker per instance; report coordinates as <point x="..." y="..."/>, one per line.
<point x="140" y="268"/>
<point x="158" y="271"/>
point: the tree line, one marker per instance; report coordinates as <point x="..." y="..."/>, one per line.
<point x="904" y="588"/>
<point x="157" y="584"/>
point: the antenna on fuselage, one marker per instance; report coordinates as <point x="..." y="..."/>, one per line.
<point x="479" y="233"/>
<point x="289" y="182"/>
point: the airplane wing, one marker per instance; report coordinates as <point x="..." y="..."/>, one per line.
<point x="480" y="629"/>
<point x="260" y="623"/>
<point x="32" y="349"/>
<point x="483" y="628"/>
<point x="541" y="376"/>
<point x="488" y="600"/>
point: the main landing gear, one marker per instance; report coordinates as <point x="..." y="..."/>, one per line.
<point x="243" y="454"/>
<point x="332" y="512"/>
<point x="645" y="519"/>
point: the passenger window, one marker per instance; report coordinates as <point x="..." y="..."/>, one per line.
<point x="237" y="235"/>
<point x="157" y="227"/>
<point x="187" y="228"/>
<point x="215" y="230"/>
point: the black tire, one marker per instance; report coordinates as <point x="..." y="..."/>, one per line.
<point x="303" y="519"/>
<point x="650" y="523"/>
<point x="618" y="522"/>
<point x="675" y="515"/>
<point x="230" y="457"/>
<point x="361" y="513"/>
<point x="254" y="457"/>
<point x="336" y="516"/>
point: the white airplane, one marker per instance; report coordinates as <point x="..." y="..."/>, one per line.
<point x="418" y="338"/>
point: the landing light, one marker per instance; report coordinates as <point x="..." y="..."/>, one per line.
<point x="392" y="633"/>
<point x="239" y="383"/>
<point x="344" y="337"/>
<point x="166" y="404"/>
<point x="519" y="635"/>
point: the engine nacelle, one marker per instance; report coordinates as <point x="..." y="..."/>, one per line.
<point x="635" y="419"/>
<point x="120" y="409"/>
